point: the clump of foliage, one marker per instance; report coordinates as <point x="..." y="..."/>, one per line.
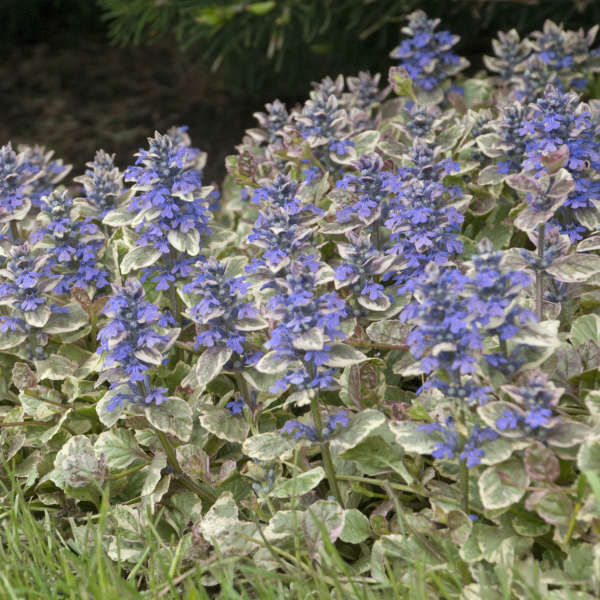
<point x="381" y="339"/>
<point x="283" y="44"/>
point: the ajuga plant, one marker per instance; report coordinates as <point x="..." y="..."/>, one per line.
<point x="45" y="171"/>
<point x="73" y="244"/>
<point x="103" y="186"/>
<point x="379" y="349"/>
<point x="168" y="210"/>
<point x="427" y="54"/>
<point x="14" y="203"/>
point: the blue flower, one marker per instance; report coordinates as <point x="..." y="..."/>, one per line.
<point x="303" y="431"/>
<point x="427" y="55"/>
<point x="102" y="183"/>
<point x="14" y="176"/>
<point x="220" y="307"/>
<point x="298" y="310"/>
<point x="45" y="173"/>
<point x="75" y="244"/>
<point x="130" y="340"/>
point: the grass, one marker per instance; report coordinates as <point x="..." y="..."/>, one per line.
<point x="41" y="560"/>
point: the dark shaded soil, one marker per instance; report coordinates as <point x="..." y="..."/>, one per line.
<point x="76" y="100"/>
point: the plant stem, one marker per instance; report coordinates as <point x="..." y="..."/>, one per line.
<point x="539" y="274"/>
<point x="325" y="453"/>
<point x="365" y="344"/>
<point x="503" y="347"/>
<point x="378" y="482"/>
<point x="464" y="485"/>
<point x="202" y="492"/>
<point x="14" y="231"/>
<point x="127" y="472"/>
<point x="376" y="236"/>
<point x="243" y="390"/>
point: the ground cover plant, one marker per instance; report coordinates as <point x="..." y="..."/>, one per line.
<point x="367" y="366"/>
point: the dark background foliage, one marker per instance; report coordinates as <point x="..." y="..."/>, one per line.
<point x="77" y="75"/>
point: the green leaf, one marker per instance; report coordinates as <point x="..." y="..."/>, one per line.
<point x="312" y="339"/>
<point x="267" y="446"/>
<point x="375" y="455"/>
<point x="356" y="529"/>
<point x="38" y="317"/>
<point x="490" y="176"/>
<point x="567" y="434"/>
<point x="323" y="516"/>
<point x="496" y="484"/>
<point x="585" y="329"/>
<point x="261" y="8"/>
<point x="388" y="332"/>
<point x="22" y="376"/>
<point x="109" y="417"/>
<point x="575" y="268"/>
<point x="139" y="258"/>
<point x="591" y="243"/>
<point x="544" y="334"/>
<point x="360" y="427"/>
<point x="188" y="242"/>
<point x="208" y="366"/>
<point x="553" y="507"/>
<point x="298" y="485"/>
<point x="10" y="339"/>
<point x="342" y="355"/>
<point x="118" y="217"/>
<point x="74" y="320"/>
<point x="271" y="363"/>
<point x="174" y="416"/>
<point x="36" y="407"/>
<point x="220" y="422"/>
<point x="588" y="456"/>
<point x="75" y="464"/>
<point x="251" y="324"/>
<point x="409" y="437"/>
<point x="55" y="368"/>
<point x="541" y="463"/>
<point x="459" y="526"/>
<point x="119" y="447"/>
<point x="366" y="141"/>
<point x="153" y="474"/>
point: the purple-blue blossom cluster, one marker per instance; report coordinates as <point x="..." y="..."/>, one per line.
<point x="133" y="344"/>
<point x="45" y="172"/>
<point x="221" y="312"/>
<point x="14" y="175"/>
<point x="169" y="185"/>
<point x="533" y="413"/>
<point x="309" y="432"/>
<point x="102" y="183"/>
<point x="73" y="244"/>
<point x="551" y="56"/>
<point x="427" y="54"/>
<point x="362" y="271"/>
<point x="424" y="228"/>
<point x="453" y="313"/>
<point x="470" y="451"/>
<point x="25" y="285"/>
<point x="325" y="125"/>
<point x="559" y="119"/>
<point x="370" y="187"/>
<point x="283" y="228"/>
<point x="307" y="323"/>
<point x="172" y="204"/>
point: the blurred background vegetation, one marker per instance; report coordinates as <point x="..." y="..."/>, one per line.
<point x="77" y="74"/>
